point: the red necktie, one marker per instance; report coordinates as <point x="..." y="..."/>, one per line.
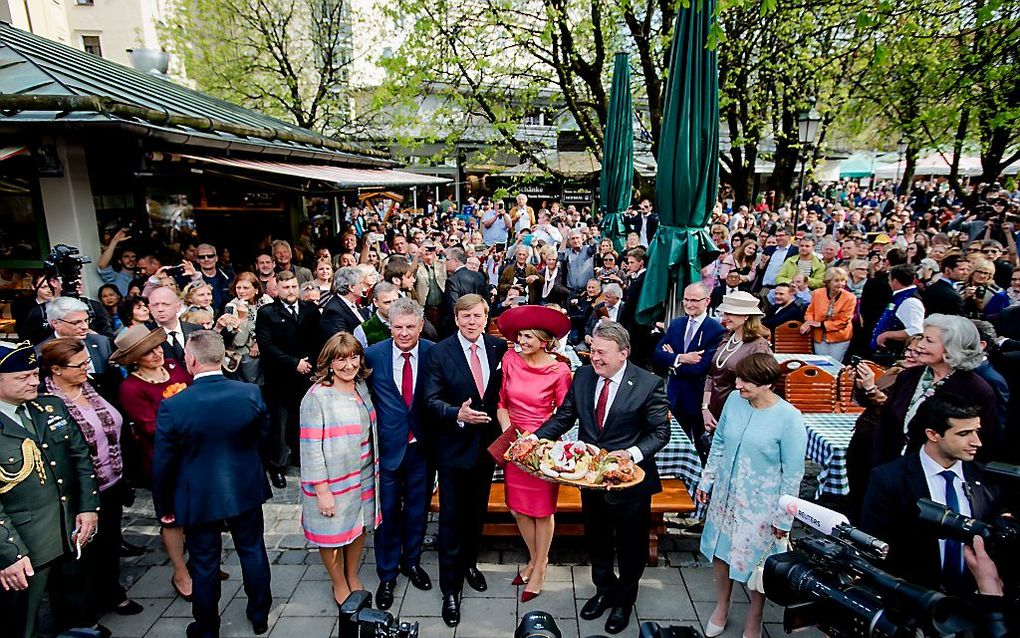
<point x="600" y="406"/>
<point x="476" y="370"/>
<point x="407" y="380"/>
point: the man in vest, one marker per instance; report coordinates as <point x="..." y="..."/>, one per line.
<point x="377" y="328"/>
<point x="902" y="319"/>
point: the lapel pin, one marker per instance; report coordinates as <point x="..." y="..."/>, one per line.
<point x="630" y="383"/>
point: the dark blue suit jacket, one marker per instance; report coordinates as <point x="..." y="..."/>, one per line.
<point x="686" y="384"/>
<point x="207" y="464"/>
<point x="393" y="417"/>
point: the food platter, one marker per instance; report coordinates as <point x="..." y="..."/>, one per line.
<point x="573" y="463"/>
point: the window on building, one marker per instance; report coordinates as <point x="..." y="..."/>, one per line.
<point x="91" y="45"/>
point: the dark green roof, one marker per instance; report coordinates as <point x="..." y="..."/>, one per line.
<point x="45" y="83"/>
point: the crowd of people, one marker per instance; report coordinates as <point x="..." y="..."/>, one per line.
<point x="389" y="358"/>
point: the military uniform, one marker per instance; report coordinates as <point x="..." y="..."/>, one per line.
<point x="46" y="480"/>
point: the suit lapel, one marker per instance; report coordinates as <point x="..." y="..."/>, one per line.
<point x="460" y="360"/>
<point x="622" y="395"/>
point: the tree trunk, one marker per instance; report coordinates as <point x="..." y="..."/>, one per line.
<point x="910" y="161"/>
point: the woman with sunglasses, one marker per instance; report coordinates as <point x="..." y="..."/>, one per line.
<point x="65" y="367"/>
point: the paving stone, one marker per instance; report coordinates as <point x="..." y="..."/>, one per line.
<point x="432" y="628"/>
<point x="169" y="627"/>
<point x="734" y="622"/>
<point x="285" y="580"/>
<point x="417" y="603"/>
<point x="136" y="626"/>
<point x="293" y="557"/>
<point x="234" y="621"/>
<point x="701" y="586"/>
<point x="156" y="556"/>
<point x="181" y="608"/>
<point x="499" y="578"/>
<point x="557" y="598"/>
<point x="311" y="598"/>
<point x="293" y="541"/>
<point x="659" y="598"/>
<point x="155" y="583"/>
<point x="304" y="627"/>
<point x="488" y="617"/>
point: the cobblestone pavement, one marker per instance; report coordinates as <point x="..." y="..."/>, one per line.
<point x="679" y="591"/>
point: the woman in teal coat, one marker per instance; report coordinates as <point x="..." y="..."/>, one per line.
<point x="757" y="456"/>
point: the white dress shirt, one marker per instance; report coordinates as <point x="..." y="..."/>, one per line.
<point x="10" y="411"/>
<point x="207" y="374"/>
<point x="614" y="386"/>
<point x="911" y="314"/>
<point x="466" y="347"/>
<point x="398" y="367"/>
<point x="937" y="489"/>
<point x="614" y="311"/>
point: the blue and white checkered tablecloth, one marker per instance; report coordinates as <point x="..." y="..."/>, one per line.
<point x="828" y="438"/>
<point x="824" y="362"/>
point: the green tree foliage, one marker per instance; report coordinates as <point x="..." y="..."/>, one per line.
<point x="286" y="58"/>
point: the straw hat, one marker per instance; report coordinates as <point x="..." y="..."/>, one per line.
<point x="520" y="318"/>
<point x="740" y="303"/>
<point x="135" y="342"/>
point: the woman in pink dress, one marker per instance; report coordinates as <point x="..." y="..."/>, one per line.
<point x="534" y="385"/>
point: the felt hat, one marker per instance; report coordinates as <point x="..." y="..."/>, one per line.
<point x="136" y="342"/>
<point x="531" y="317"/>
<point x="17" y="357"/>
<point x="740" y="303"/>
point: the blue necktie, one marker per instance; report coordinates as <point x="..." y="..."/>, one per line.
<point x="952" y="563"/>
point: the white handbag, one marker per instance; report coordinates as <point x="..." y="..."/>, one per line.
<point x="777" y="546"/>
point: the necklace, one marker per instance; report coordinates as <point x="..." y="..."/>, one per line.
<point x="727" y="350"/>
<point x="165" y="377"/>
<point x="64" y="392"/>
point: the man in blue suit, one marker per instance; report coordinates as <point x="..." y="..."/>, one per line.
<point x="207" y="472"/>
<point x="687" y="350"/>
<point x="404" y="485"/>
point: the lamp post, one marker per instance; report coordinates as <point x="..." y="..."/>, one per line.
<point x="808" y="122"/>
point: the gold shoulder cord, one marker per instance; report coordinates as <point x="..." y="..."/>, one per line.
<point x="32" y="461"/>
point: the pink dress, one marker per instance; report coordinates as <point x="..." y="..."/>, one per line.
<point x="530" y="395"/>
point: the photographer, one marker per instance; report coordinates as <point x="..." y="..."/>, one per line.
<point x="126" y="260"/>
<point x="944" y="471"/>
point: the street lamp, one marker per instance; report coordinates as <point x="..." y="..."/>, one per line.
<point x="808" y="122"/>
<point x="901" y="148"/>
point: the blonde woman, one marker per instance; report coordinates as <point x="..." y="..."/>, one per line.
<point x="829" y="316"/>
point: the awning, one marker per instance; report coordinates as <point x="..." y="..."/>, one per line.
<point x="8" y="152"/>
<point x="342" y="177"/>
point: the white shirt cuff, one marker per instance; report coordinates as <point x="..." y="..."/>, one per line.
<point x="635" y="453"/>
<point x="676" y="362"/>
<point x="460" y="424"/>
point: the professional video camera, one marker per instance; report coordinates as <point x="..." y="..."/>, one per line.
<point x="65" y="262"/>
<point x="829" y="581"/>
<point x="541" y="624"/>
<point x="359" y="620"/>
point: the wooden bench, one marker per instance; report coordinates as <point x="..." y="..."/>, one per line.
<point x="673" y="499"/>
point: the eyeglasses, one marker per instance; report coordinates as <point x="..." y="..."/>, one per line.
<point x="207" y="256"/>
<point x="990" y="251"/>
<point x="689" y="300"/>
<point x="79" y="366"/>
<point x="77" y="324"/>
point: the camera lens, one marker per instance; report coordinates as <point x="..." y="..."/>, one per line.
<point x="537" y="624"/>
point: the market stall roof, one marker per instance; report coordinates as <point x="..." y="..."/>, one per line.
<point x="569" y="163"/>
<point x="341" y="176"/>
<point x="45" y="84"/>
<point x="937" y="164"/>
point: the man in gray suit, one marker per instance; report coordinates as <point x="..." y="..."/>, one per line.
<point x="69" y="318"/>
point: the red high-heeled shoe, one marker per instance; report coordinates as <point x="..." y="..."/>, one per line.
<point x="519" y="580"/>
<point x="529" y="595"/>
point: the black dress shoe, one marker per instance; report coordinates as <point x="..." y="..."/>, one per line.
<point x="384" y="594"/>
<point x="595" y="607"/>
<point x="278" y="480"/>
<point x="451" y="610"/>
<point x="418" y="577"/>
<point x="476" y="579"/>
<point x="259" y="627"/>
<point x="128" y="608"/>
<point x="618" y="619"/>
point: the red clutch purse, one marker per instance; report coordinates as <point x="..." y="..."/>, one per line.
<point x="502" y="443"/>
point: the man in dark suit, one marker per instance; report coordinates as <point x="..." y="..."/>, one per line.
<point x="207" y="474"/>
<point x="288" y="335"/>
<point x="640" y="334"/>
<point x="164" y="305"/>
<point x="342" y="312"/>
<point x="944" y="471"/>
<point x="687" y="350"/>
<point x="941" y="295"/>
<point x="460" y="281"/>
<point x="29" y="312"/>
<point x="621" y="408"/>
<point x="462" y="383"/>
<point x="729" y="286"/>
<point x="785" y="308"/>
<point x="404" y="485"/>
<point x="69" y="318"/>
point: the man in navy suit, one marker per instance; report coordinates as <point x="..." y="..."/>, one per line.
<point x="462" y="382"/>
<point x="619" y="407"/>
<point x="944" y="471"/>
<point x="404" y="485"/>
<point x="687" y="350"/>
<point x="208" y="473"/>
<point x="69" y="318"/>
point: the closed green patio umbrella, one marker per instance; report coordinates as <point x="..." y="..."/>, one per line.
<point x="617" y="155"/>
<point x="688" y="164"/>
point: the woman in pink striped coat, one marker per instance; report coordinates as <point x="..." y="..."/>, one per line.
<point x="339" y="462"/>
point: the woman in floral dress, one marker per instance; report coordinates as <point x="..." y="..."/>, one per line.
<point x="757" y="456"/>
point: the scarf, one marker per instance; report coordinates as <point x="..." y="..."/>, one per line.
<point x="109" y="426"/>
